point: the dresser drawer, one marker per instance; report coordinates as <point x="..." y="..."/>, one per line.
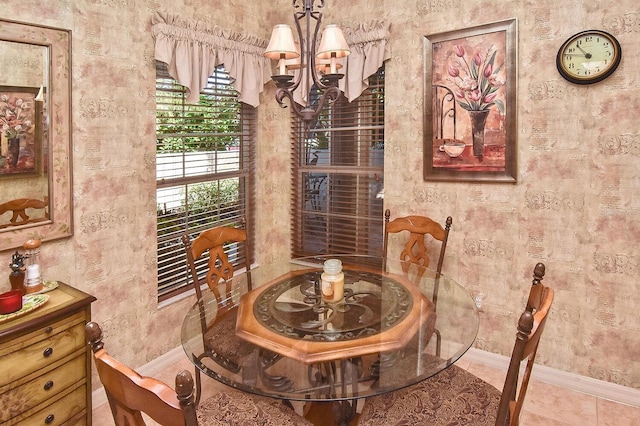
<point x="45" y="370"/>
<point x="38" y="390"/>
<point x="42" y="349"/>
<point x="78" y="420"/>
<point x="59" y="412"/>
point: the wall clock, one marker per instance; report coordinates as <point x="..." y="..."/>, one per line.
<point x="588" y="57"/>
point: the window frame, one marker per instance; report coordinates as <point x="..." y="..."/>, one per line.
<point x="358" y="125"/>
<point x="201" y="173"/>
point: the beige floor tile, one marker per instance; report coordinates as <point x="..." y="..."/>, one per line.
<point x="102" y="416"/>
<point x="613" y="414"/>
<point x="560" y="405"/>
<point x="463" y="363"/>
<point x="530" y="419"/>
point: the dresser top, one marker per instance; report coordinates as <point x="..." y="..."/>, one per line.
<point x="63" y="301"/>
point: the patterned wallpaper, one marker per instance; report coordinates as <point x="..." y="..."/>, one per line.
<point x="574" y="207"/>
<point x="576" y="201"/>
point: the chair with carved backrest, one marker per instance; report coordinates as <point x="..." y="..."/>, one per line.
<point x="414" y="249"/>
<point x="216" y="241"/>
<point x="18" y="209"/>
<point x="456" y="396"/>
<point x="219" y="272"/>
<point x="130" y="394"/>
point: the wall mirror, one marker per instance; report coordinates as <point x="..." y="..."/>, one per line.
<point x="35" y="133"/>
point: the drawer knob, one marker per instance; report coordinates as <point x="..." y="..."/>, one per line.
<point x="48" y="329"/>
<point x="47" y="352"/>
<point x="49" y="419"/>
<point x="48" y="385"/>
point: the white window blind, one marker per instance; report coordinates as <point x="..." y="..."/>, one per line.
<point x="204" y="166"/>
<point x="338" y="174"/>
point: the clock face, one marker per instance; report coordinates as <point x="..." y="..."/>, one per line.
<point x="588" y="57"/>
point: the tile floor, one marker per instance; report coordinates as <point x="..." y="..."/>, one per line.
<point x="545" y="404"/>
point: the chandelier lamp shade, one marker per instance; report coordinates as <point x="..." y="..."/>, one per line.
<point x="318" y="64"/>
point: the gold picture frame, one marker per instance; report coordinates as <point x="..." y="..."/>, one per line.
<point x="470" y="126"/>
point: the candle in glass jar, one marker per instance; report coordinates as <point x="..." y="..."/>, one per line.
<point x="332" y="281"/>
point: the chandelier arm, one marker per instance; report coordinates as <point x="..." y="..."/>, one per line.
<point x="307" y="58"/>
<point x="283" y="93"/>
<point x="312" y="59"/>
<point x="307" y="113"/>
<point x="326" y="84"/>
<point x="297" y="16"/>
<point x="331" y="94"/>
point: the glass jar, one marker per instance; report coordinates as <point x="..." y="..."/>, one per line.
<point x="33" y="278"/>
<point x="332" y="281"/>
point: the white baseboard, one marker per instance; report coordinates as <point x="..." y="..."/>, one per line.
<point x="583" y="384"/>
<point x="598" y="388"/>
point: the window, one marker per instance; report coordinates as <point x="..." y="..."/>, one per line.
<point x="338" y="171"/>
<point x="204" y="169"/>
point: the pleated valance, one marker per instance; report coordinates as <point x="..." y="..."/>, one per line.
<point x="192" y="49"/>
<point x="369" y="44"/>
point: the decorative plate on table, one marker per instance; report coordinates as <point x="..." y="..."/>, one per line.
<point x="47" y="286"/>
<point x="29" y="303"/>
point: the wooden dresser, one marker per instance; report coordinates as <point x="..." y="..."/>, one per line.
<point x="45" y="363"/>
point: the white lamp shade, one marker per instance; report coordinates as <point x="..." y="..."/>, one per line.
<point x="332" y="43"/>
<point x="281" y="44"/>
<point x="295" y="63"/>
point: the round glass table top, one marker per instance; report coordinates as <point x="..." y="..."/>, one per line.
<point x="269" y="332"/>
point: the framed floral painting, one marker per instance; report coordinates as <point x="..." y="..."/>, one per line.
<point x="20" y="131"/>
<point x="470" y="104"/>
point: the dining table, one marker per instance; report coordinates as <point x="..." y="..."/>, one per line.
<point x="269" y="332"/>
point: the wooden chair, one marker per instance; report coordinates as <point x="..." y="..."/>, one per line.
<point x="414" y="250"/>
<point x="456" y="396"/>
<point x="19" y="208"/>
<point x="218" y="275"/>
<point x="130" y="394"/>
<point x="219" y="267"/>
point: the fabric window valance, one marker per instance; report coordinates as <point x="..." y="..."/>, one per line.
<point x="192" y="49"/>
<point x="369" y="44"/>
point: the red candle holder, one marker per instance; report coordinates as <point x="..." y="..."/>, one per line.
<point x="10" y="302"/>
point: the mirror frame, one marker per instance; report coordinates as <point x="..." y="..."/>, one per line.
<point x="58" y="101"/>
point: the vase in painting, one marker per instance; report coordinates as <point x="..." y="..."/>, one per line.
<point x="14" y="151"/>
<point x="478" y="122"/>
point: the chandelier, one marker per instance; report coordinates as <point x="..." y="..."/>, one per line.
<point x="316" y="64"/>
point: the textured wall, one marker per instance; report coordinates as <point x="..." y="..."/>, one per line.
<point x="112" y="254"/>
<point x="574" y="207"/>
